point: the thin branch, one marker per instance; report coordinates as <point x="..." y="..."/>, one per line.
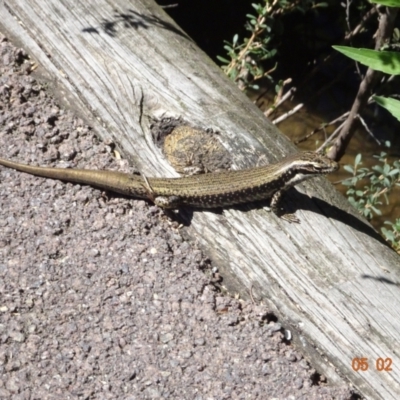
<point x="322" y="127"/>
<point x="279" y="101"/>
<point x="288" y="114"/>
<point x="346" y="39"/>
<point x="170" y="6"/>
<point x="330" y="138"/>
<point x="363" y="21"/>
<point x="364" y="124"/>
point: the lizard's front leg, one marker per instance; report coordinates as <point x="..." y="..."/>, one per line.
<point x="167" y="201"/>
<point x="274" y="205"/>
<point x="160" y="201"/>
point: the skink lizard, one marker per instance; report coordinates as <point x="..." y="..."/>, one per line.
<point x="211" y="190"/>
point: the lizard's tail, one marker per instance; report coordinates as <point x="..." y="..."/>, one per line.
<point x="130" y="185"/>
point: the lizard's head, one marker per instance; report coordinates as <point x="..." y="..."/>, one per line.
<point x="311" y="163"/>
<point x="303" y="166"/>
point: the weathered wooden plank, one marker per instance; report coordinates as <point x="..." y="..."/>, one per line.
<point x="120" y="63"/>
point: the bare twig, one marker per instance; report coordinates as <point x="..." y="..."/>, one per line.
<point x="280" y="93"/>
<point x="170" y="6"/>
<point x="280" y="101"/>
<point x="322" y="127"/>
<point x="358" y="28"/>
<point x="346" y="39"/>
<point x="288" y="114"/>
<point x="330" y="138"/>
<point x="348" y="3"/>
<point x="364" y="124"/>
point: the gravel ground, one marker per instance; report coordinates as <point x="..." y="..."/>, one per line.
<point x="101" y="298"/>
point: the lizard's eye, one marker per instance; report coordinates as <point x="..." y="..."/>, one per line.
<point x="319" y="168"/>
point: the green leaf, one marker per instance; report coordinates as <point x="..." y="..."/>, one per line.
<point x="235" y="39"/>
<point x="367" y="214"/>
<point x="378" y="169"/>
<point x="389" y="3"/>
<point x="385" y="61"/>
<point x="233" y="74"/>
<point x="376" y="210"/>
<point x="392" y="105"/>
<point x="349" y="168"/>
<point x="386" y="169"/>
<point x="388" y="234"/>
<point x="357" y="159"/>
<point x="222" y="59"/>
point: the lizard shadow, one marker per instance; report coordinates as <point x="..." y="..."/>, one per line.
<point x="292" y="201"/>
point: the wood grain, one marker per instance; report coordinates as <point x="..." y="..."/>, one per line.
<point x="331" y="281"/>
